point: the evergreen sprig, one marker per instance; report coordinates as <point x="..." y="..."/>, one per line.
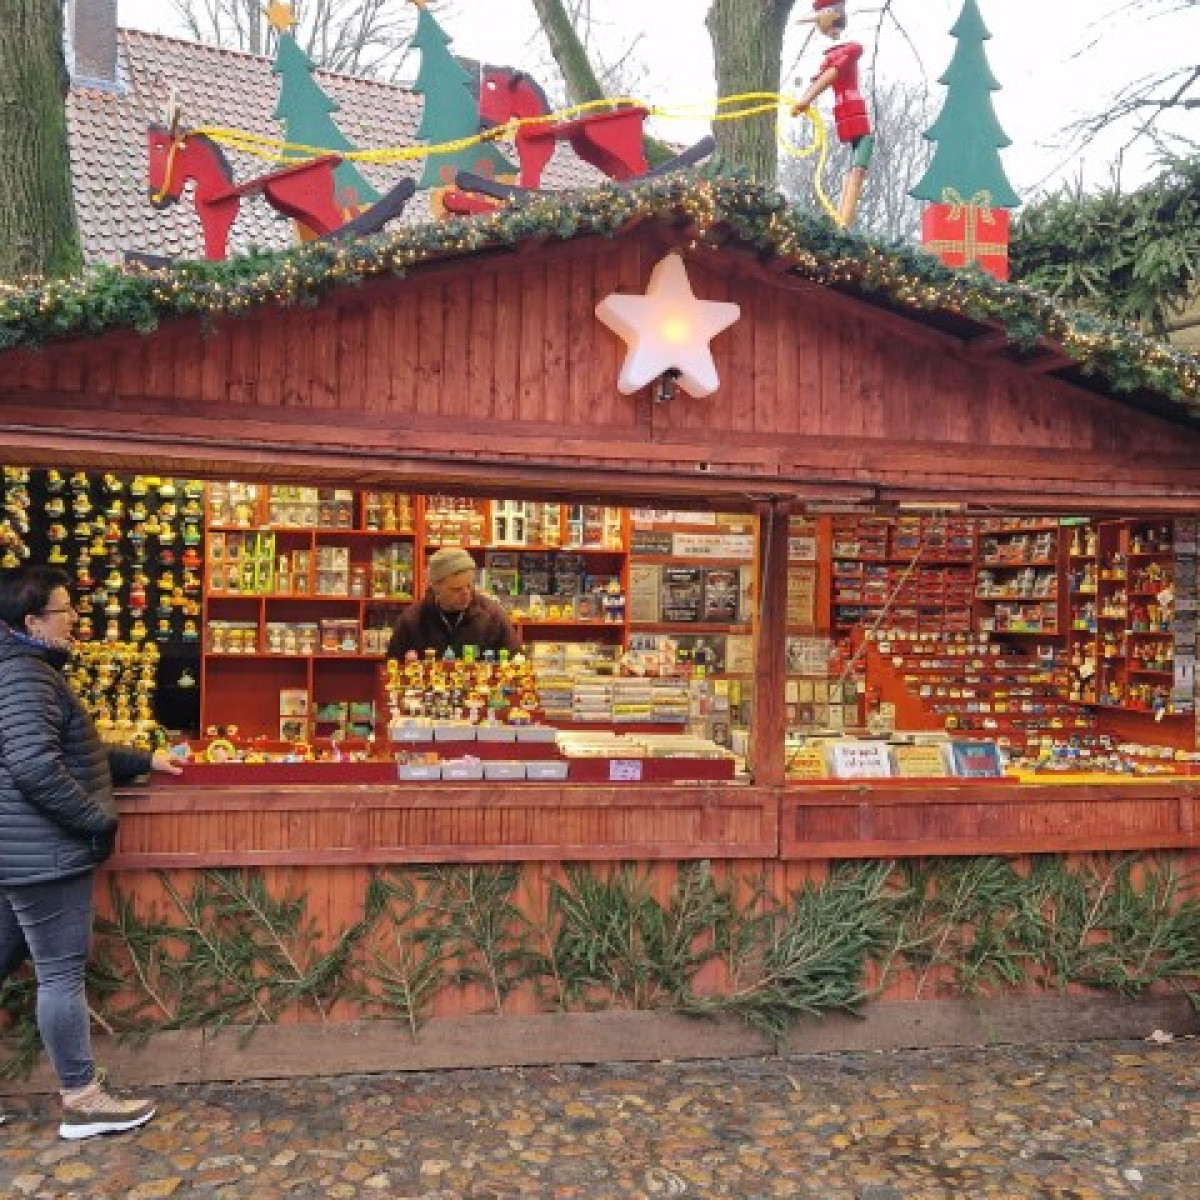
<point x="1133" y="256"/>
<point x="406" y="969"/>
<point x="230" y="951"/>
<point x="475" y="924"/>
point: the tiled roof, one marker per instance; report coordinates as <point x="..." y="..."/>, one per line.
<point x="229" y="89"/>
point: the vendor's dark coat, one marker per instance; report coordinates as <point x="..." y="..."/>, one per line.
<point x="423" y="626"/>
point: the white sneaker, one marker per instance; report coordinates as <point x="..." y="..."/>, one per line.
<point x="95" y="1110"/>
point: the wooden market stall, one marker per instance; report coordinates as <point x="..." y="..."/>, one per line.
<point x="468" y="358"/>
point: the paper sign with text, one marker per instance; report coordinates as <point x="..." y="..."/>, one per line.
<point x="625" y="770"/>
<point x="861" y="760"/>
<point x="919" y="762"/>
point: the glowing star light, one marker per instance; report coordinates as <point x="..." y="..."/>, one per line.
<point x="667" y="329"/>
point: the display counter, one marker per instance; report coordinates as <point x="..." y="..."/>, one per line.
<point x="904" y="818"/>
<point x="360" y="813"/>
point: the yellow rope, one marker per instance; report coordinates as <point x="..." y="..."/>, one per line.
<point x="742" y="106"/>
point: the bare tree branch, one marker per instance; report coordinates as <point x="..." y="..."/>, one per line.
<point x="356" y="37"/>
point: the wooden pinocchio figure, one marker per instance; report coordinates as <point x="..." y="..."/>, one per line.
<point x="839" y="70"/>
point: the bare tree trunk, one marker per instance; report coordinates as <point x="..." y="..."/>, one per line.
<point x="578" y="74"/>
<point x="38" y="234"/>
<point x="747" y="38"/>
<point x="569" y="52"/>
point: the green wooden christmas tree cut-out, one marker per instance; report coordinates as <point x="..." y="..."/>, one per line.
<point x="306" y="112"/>
<point x="451" y="110"/>
<point x="967" y="132"/>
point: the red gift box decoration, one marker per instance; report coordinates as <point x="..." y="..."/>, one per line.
<point x="961" y="232"/>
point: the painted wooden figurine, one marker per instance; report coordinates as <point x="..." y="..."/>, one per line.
<point x="839" y="71"/>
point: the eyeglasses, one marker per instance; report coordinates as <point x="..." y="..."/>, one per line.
<point x="54" y="612"/>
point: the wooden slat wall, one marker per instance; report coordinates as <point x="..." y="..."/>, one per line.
<point x="197" y="826"/>
<point x="206" y="827"/>
<point x="502" y="357"/>
<point x="333" y="897"/>
<point x="838" y="822"/>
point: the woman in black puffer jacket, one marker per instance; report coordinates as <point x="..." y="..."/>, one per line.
<point x="58" y="821"/>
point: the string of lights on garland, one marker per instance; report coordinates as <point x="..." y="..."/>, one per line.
<point x="718" y="209"/>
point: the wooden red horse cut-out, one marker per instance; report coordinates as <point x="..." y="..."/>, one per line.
<point x="305" y="192"/>
<point x="610" y="141"/>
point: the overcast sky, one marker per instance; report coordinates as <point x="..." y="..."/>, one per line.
<point x="1056" y="60"/>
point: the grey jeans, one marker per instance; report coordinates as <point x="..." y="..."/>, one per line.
<point x="52" y="924"/>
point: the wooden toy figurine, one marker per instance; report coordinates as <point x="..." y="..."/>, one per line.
<point x="839" y="70"/>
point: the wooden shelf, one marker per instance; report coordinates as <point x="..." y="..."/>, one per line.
<point x="686" y="627"/>
<point x="509" y="548"/>
<point x="668" y="560"/>
<point x="232" y="694"/>
<point x="562" y="621"/>
<point x="402" y="534"/>
<point x="991" y="564"/>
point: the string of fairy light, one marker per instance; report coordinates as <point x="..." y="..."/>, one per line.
<point x="716" y="208"/>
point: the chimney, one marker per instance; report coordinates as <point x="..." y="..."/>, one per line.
<point x="91" y="36"/>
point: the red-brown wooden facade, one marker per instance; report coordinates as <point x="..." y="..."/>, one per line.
<point x="490" y="373"/>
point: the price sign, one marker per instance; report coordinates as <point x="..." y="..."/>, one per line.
<point x="861" y="760"/>
<point x="807" y="762"/>
<point x="625" y="770"/>
<point x="919" y="762"/>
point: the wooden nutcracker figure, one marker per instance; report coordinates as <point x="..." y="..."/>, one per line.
<point x="839" y="71"/>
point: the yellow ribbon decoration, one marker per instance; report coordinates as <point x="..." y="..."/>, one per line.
<point x="742" y="106"/>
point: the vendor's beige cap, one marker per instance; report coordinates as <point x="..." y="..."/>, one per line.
<point x="449" y="560"/>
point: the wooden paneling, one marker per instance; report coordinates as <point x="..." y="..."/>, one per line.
<point x="501" y="360"/>
<point x="196" y="826"/>
<point x="537" y="394"/>
<point x="185" y="825"/>
<point x="865" y="822"/>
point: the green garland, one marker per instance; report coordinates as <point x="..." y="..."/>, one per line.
<point x="230" y="952"/>
<point x="1133" y="256"/>
<point x="723" y="208"/>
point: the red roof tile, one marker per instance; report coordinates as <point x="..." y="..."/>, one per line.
<point x="223" y="88"/>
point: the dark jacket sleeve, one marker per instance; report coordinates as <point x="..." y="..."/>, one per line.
<point x="126" y="763"/>
<point x="404" y="636"/>
<point x="31" y="733"/>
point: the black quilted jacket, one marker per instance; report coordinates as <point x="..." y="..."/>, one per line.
<point x="57" y="815"/>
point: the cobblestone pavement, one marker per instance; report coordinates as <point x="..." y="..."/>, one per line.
<point x="1059" y="1122"/>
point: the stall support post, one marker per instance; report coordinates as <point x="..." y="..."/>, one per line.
<point x="768" y="717"/>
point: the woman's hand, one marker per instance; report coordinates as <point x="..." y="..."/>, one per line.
<point x="162" y="761"/>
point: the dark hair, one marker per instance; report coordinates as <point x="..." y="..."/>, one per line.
<point x="25" y="592"/>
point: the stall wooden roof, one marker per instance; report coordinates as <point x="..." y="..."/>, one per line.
<point x="467" y="355"/>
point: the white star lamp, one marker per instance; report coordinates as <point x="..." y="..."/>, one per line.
<point x="667" y="331"/>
